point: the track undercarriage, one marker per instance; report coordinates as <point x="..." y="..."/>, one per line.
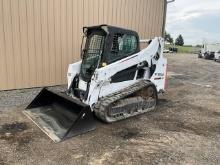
<point x="137" y="99"/>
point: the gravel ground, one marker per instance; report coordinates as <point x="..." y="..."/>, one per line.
<point x="184" y="129"/>
<point x="22" y="96"/>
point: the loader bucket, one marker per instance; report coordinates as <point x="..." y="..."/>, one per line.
<point x="60" y="116"/>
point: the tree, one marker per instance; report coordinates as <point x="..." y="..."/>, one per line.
<point x="179" y="41"/>
<point x="168" y="38"/>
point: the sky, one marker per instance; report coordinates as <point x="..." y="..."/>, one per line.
<point x="196" y="20"/>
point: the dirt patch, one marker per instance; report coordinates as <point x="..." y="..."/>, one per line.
<point x="12" y="128"/>
<point x="185" y="117"/>
<point x="202" y="128"/>
<point x="17" y="138"/>
<point x="216" y="114"/>
<point x="2" y="162"/>
<point x="127" y="133"/>
<point x="13" y="133"/>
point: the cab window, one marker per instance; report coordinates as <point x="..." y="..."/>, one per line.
<point x="123" y="45"/>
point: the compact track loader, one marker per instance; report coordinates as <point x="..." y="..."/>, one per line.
<point x="210" y="51"/>
<point x="114" y="80"/>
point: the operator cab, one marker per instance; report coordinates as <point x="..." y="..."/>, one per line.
<point x="103" y="45"/>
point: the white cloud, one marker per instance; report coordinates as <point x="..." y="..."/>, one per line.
<point x="182" y="9"/>
<point x="183" y="15"/>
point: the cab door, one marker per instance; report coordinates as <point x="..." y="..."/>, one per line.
<point x="123" y="46"/>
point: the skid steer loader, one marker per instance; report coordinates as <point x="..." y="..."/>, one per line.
<point x="114" y="80"/>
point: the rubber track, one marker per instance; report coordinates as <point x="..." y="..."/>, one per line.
<point x="101" y="106"/>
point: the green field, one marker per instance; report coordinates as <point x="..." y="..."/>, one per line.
<point x="184" y="49"/>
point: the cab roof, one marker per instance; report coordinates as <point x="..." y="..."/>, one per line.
<point x="110" y="29"/>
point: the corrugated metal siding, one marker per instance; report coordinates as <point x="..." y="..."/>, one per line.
<point x="39" y="38"/>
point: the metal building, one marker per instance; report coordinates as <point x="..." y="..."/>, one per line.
<point x="39" y="38"/>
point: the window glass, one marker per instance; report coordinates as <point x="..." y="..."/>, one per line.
<point x="96" y="44"/>
<point x="124" y="45"/>
<point x="92" y="52"/>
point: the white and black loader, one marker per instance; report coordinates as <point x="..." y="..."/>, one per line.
<point x="210" y="51"/>
<point x="114" y="80"/>
<point x="217" y="55"/>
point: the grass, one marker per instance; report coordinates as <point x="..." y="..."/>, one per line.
<point x="184" y="49"/>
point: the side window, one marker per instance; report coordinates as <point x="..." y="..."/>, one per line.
<point x="96" y="44"/>
<point x="123" y="45"/>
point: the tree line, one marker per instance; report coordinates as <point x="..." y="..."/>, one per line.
<point x="178" y="41"/>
